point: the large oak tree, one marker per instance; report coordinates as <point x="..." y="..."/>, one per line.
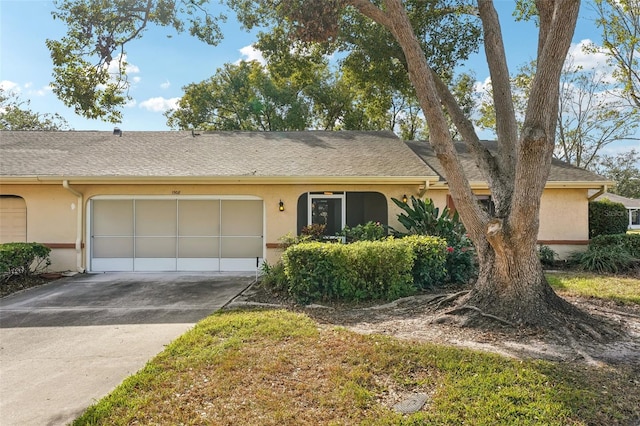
<point x="511" y="285"/>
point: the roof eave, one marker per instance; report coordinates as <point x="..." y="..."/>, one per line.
<point x="248" y="180"/>
<point x="596" y="184"/>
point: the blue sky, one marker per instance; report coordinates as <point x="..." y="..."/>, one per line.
<point x="162" y="65"/>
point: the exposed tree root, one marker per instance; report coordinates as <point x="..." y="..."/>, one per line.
<point x="577" y="348"/>
<point x="482" y="314"/>
<point x="447" y="298"/>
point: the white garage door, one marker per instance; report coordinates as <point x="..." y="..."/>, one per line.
<point x="176" y="234"/>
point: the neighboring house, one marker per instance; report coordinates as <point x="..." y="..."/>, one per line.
<point x="221" y="201"/>
<point x="632" y="205"/>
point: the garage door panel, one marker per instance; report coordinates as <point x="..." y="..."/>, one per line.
<point x="198" y="264"/>
<point x="13" y="219"/>
<point x="116" y="217"/>
<point x="112" y="247"/>
<point x="198" y="247"/>
<point x="112" y="264"/>
<point x="156" y="218"/>
<point x="241" y="218"/>
<point x="156" y="247"/>
<point x="199" y="218"/>
<point x="241" y="247"/>
<point x="154" y="264"/>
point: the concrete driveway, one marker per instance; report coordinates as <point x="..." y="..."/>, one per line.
<point x="68" y="343"/>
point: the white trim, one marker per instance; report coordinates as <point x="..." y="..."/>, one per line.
<point x="198" y="264"/>
<point x="240" y="264"/>
<point x="153" y="264"/>
<point x="111" y="265"/>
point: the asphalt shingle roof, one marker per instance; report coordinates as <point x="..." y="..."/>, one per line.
<point x="214" y="154"/>
<point x="302" y="154"/>
<point x="560" y="171"/>
<point x="630" y="203"/>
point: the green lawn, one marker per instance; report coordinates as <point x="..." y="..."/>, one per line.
<point x="279" y="368"/>
<point x="620" y="289"/>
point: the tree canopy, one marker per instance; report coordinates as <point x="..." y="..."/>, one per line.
<point x="619" y="21"/>
<point x="624" y="170"/>
<point x="15" y="114"/>
<point x="591" y="114"/>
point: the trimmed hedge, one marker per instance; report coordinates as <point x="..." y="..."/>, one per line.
<point x="364" y="270"/>
<point x="22" y="259"/>
<point x="429" y="268"/>
<point x="607" y="217"/>
<point x="629" y="242"/>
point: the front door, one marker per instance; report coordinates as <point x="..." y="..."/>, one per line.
<point x="327" y="210"/>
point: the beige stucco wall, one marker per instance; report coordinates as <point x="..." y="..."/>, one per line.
<point x="51" y="219"/>
<point x="564" y="217"/>
<point x="52" y="210"/>
<point x="52" y="213"/>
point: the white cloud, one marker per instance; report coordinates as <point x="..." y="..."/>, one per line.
<point x="250" y="53"/>
<point x="130" y="70"/>
<point x="114" y="66"/>
<point x="165" y="85"/>
<point x="159" y="104"/>
<point x="588" y="55"/>
<point x="8" y="86"/>
<point x="43" y="91"/>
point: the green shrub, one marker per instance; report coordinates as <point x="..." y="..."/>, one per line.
<point x="316" y="271"/>
<point x="364" y="270"/>
<point x="461" y="262"/>
<point x="370" y="231"/>
<point x="382" y="270"/>
<point x="23" y="259"/>
<point x="274" y="277"/>
<point x="629" y="242"/>
<point x="422" y="217"/>
<point x="607" y="217"/>
<point x="429" y="268"/>
<point x="613" y="259"/>
<point x="547" y="255"/>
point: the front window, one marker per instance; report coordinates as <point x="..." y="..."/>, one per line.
<point x="635" y="217"/>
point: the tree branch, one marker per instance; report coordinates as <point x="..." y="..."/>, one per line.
<point x="506" y="125"/>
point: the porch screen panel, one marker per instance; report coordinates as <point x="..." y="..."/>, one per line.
<point x="241" y="225"/>
<point x="199" y="228"/>
<point x="156" y="228"/>
<point x="112" y="228"/>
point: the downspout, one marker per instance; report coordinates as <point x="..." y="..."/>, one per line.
<point x="423" y="188"/>
<point x="601" y="191"/>
<point x="79" y="260"/>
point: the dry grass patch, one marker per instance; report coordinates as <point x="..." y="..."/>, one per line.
<point x="280" y="368"/>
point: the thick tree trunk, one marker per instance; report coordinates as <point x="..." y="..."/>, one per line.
<point x="511" y="286"/>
